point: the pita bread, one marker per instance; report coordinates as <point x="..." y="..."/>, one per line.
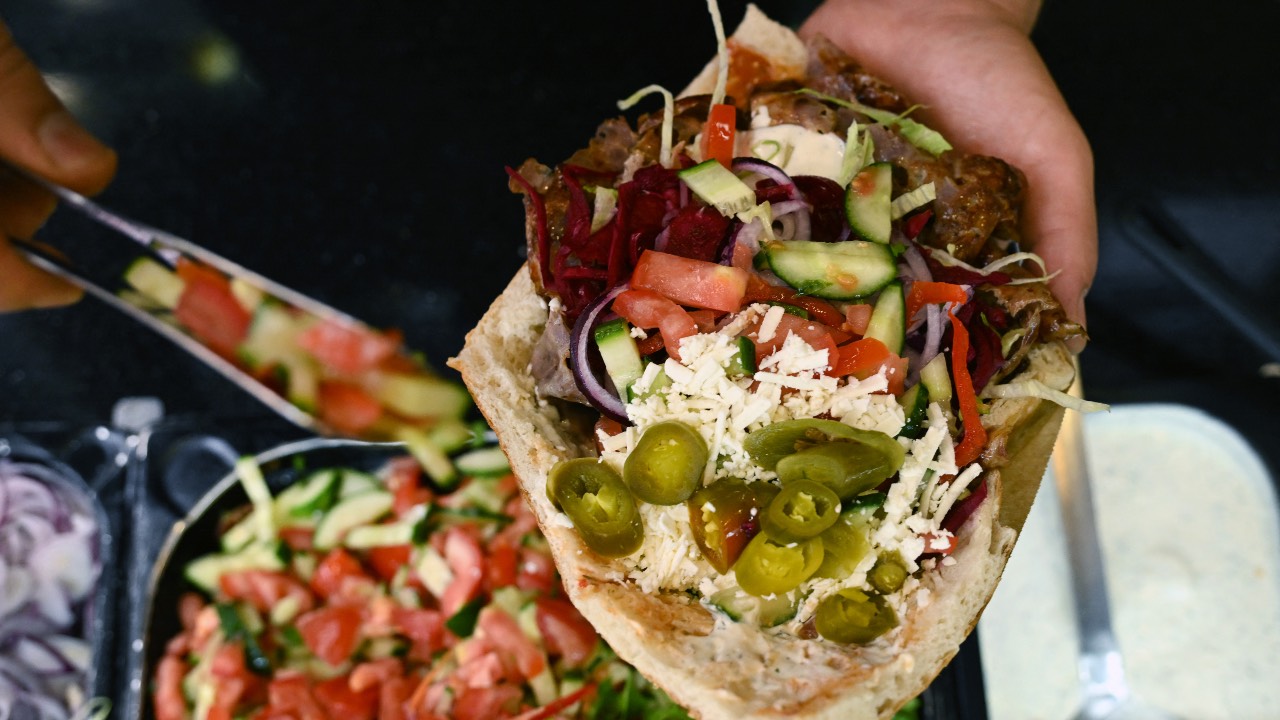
<point x="715" y="667"/>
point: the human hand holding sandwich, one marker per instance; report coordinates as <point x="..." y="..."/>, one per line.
<point x="982" y="83"/>
<point x="38" y="134"/>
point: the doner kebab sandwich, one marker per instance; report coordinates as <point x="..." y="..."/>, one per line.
<point x="778" y="381"/>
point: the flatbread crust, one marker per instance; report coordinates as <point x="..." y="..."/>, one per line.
<point x="714" y="667"/>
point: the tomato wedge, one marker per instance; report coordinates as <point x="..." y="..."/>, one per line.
<point x="718" y="134"/>
<point x="337" y="573"/>
<point x="864" y="358"/>
<point x="346" y="349"/>
<point x="212" y="314"/>
<point x="648" y="309"/>
<point x="348" y="408"/>
<point x="502" y="631"/>
<point x="337" y="697"/>
<point x="817" y="335"/>
<point x="696" y="283"/>
<point x="264" y="588"/>
<point x="564" y="631"/>
<point x="465" y="558"/>
<point x="168" y="700"/>
<point x="331" y="633"/>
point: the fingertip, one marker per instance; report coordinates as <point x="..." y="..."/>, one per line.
<point x="27" y="287"/>
<point x="80" y="160"/>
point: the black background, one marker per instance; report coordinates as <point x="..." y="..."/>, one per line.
<point x="355" y="150"/>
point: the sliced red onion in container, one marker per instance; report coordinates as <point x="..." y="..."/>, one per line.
<point x="48" y="568"/>
<point x="589" y="383"/>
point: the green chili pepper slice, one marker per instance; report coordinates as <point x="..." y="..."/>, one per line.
<point x="852" y="616"/>
<point x="888" y="574"/>
<point x="844" y="544"/>
<point x="847" y="467"/>
<point x="594" y="497"/>
<point x="768" y="567"/>
<point x="666" y="466"/>
<point x="773" y="442"/>
<point x="802" y="510"/>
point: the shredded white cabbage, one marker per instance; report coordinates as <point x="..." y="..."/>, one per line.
<point x="668" y="117"/>
<point x="722" y="53"/>
<point x="1037" y="389"/>
<point x="946" y="258"/>
<point x="859" y="151"/>
<point x="909" y="201"/>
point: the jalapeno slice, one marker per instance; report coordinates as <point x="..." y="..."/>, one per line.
<point x="593" y="496"/>
<point x="666" y="466"/>
<point x="725" y="516"/>
<point x="844" y="544"/>
<point x="771" y="443"/>
<point x="848" y="467"/>
<point x="768" y="567"/>
<point x="852" y="616"/>
<point x="888" y="574"/>
<point x="802" y="510"/>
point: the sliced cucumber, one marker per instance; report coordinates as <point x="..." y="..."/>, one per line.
<point x="888" y="322"/>
<point x="483" y="462"/>
<point x="451" y="434"/>
<point x="313" y="494"/>
<point x="433" y="571"/>
<point x="915" y="405"/>
<point x="935" y="377"/>
<point x="249" y="296"/>
<point x="272" y="338"/>
<point x="621" y="358"/>
<point x="744" y="361"/>
<point x="205" y="572"/>
<point x="716" y="185"/>
<point x="355" y="483"/>
<point x="353" y="512"/>
<point x="255" y="486"/>
<point x="434" y="461"/>
<point x="238" y="536"/>
<point x="836" y="271"/>
<point x="740" y="606"/>
<point x="867" y="204"/>
<point x="400" y="532"/>
<point x="155" y="281"/>
<point x="422" y="396"/>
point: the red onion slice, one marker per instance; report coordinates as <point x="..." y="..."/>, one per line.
<point x="591" y="386"/>
<point x="756" y="170"/>
<point x="793" y="216"/>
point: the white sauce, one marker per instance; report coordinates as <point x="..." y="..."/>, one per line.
<point x="1188" y="521"/>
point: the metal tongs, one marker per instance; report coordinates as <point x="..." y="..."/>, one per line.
<point x="169" y="249"/>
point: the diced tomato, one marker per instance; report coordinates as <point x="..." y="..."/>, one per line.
<point x="651" y="344"/>
<point x="930" y="293"/>
<point x="331" y="633"/>
<point x="336" y="696"/>
<point x="264" y="588"/>
<point x="932" y="542"/>
<point x="348" y="408"/>
<point x="424" y="627"/>
<point x="466" y="560"/>
<point x="233" y="680"/>
<point x="168" y="701"/>
<point x="705" y="319"/>
<point x="346" y="349"/>
<point x="404" y="480"/>
<point x="336" y="575"/>
<point x="211" y="313"/>
<point x="696" y="283"/>
<point x="505" y="634"/>
<point x="718" y="134"/>
<point x="387" y="560"/>
<point x="857" y="317"/>
<point x="189" y="607"/>
<point x="297" y="537"/>
<point x="648" y="309"/>
<point x="191" y="271"/>
<point x="975" y="436"/>
<point x="487" y="703"/>
<point x="289" y="694"/>
<point x="536" y="571"/>
<point x="864" y="358"/>
<point x="374" y="672"/>
<point x="393" y="698"/>
<point x="565" y="632"/>
<point x="817" y="335"/>
<point x="504" y="559"/>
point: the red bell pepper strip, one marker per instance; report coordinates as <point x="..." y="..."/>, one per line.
<point x="924" y="292"/>
<point x="718" y="134"/>
<point x="975" y="436"/>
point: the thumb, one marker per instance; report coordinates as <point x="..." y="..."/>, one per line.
<point x="38" y="134"/>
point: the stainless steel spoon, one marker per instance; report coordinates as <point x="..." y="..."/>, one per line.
<point x="1105" y="693"/>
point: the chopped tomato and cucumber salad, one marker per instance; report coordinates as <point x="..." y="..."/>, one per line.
<point x="788" y="376"/>
<point x="358" y="381"/>
<point x="353" y="595"/>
